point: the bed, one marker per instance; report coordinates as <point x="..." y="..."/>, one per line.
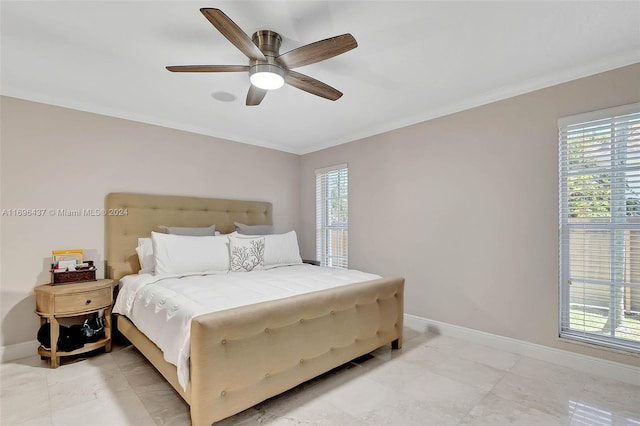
<point x="247" y="354"/>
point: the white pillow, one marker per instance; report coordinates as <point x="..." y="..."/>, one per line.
<point x="246" y="254"/>
<point x="281" y="250"/>
<point x="178" y="254"/>
<point x="145" y="256"/>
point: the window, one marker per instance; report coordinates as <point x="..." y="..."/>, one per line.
<point x="600" y="227"/>
<point x="332" y="216"/>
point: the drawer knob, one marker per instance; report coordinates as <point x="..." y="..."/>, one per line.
<point x="88" y="301"/>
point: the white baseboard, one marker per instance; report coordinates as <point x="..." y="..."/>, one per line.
<point x="588" y="364"/>
<point x="19" y="350"/>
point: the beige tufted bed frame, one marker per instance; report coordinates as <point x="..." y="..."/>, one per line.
<point x="242" y="356"/>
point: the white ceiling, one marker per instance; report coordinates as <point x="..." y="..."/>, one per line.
<point x="416" y="60"/>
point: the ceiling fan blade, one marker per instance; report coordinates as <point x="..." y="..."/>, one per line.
<point x="233" y="33"/>
<point x="255" y="95"/>
<point x="207" y="68"/>
<point x="311" y="85"/>
<point x="318" y="51"/>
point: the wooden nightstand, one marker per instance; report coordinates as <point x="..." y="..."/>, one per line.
<point x="70" y="300"/>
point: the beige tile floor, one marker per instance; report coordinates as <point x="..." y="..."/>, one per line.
<point x="433" y="380"/>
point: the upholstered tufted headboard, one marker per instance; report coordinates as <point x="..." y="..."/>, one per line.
<point x="131" y="216"/>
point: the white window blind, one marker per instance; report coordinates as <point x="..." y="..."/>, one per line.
<point x="332" y="216"/>
<point x="600" y="227"/>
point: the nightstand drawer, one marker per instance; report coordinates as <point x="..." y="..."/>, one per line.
<point x="85" y="301"/>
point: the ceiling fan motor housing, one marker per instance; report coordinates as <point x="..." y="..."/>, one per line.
<point x="268" y="42"/>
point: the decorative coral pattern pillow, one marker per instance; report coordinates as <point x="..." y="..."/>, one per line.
<point x="246" y="254"/>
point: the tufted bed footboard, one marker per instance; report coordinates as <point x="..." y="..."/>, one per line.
<point x="243" y="356"/>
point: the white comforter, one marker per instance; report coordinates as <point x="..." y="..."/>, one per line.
<point x="162" y="306"/>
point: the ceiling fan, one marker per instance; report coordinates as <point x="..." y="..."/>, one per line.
<point x="268" y="69"/>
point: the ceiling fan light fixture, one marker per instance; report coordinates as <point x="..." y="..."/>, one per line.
<point x="266" y="76"/>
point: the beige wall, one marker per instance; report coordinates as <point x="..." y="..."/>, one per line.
<point x="466" y="208"/>
<point x="59" y="158"/>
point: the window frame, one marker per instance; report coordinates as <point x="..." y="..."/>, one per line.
<point x="618" y="218"/>
<point x="327" y="254"/>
